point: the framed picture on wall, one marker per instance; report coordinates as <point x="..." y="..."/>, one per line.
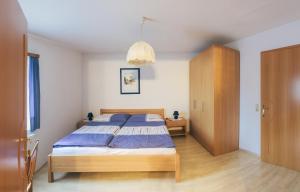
<point x="130" y="81"/>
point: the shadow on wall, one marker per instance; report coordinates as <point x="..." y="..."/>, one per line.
<point x="147" y="72"/>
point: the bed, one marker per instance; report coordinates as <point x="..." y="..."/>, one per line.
<point x="114" y="158"/>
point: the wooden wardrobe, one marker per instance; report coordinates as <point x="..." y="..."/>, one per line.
<point x="214" y="99"/>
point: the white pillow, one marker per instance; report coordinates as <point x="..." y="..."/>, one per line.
<point x="153" y="117"/>
<point x="103" y="118"/>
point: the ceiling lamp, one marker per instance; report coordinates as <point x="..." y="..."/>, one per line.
<point x="141" y="52"/>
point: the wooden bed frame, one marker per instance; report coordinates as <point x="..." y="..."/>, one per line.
<point x="116" y="163"/>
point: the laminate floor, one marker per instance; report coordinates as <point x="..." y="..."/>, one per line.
<point x="239" y="171"/>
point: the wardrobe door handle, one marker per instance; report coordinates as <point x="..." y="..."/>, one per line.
<point x="202" y="106"/>
<point x="194" y="104"/>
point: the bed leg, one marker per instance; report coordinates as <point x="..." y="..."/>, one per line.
<point x="50" y="173"/>
<point x="177" y="168"/>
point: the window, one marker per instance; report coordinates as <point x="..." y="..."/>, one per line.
<point x="33" y="93"/>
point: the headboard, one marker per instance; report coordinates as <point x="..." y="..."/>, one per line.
<point x="160" y="112"/>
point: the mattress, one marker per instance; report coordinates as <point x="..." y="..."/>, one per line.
<point x="94" y="151"/>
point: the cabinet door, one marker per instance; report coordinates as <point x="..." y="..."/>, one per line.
<point x="202" y="98"/>
<point x="226" y="99"/>
<point x="206" y="92"/>
<point x="280" y="123"/>
<point x="194" y="96"/>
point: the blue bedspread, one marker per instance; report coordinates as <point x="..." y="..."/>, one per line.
<point x="135" y="135"/>
<point x="96" y="123"/>
<point x="145" y="123"/>
<point x="141" y="141"/>
<point x="89" y="136"/>
<point x="145" y="118"/>
<point x="84" y="140"/>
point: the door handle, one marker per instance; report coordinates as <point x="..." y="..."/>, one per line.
<point x="20" y="141"/>
<point x="263" y="110"/>
<point x="23" y="139"/>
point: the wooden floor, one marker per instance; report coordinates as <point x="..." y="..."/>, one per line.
<point x="238" y="171"/>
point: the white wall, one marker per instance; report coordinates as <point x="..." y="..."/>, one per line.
<point x="250" y="49"/>
<point x="163" y="84"/>
<point x="61" y="92"/>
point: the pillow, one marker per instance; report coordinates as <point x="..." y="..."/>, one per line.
<point x="111" y="118"/>
<point x="103" y="118"/>
<point x="145" y="118"/>
<point x="120" y="117"/>
<point x="154" y="117"/>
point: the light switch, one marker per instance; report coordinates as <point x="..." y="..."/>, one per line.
<point x="257" y="107"/>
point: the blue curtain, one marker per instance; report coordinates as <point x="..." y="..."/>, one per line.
<point x="34" y="93"/>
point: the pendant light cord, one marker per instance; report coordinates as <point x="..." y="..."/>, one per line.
<point x="144" y="19"/>
<point x="142" y="28"/>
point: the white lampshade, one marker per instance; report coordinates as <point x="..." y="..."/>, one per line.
<point x="140" y="53"/>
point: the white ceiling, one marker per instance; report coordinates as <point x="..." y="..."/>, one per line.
<point x="111" y="26"/>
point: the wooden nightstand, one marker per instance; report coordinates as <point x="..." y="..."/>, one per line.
<point x="81" y="123"/>
<point x="176" y="127"/>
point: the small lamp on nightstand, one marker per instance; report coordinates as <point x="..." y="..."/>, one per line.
<point x="175" y="114"/>
<point x="90" y="116"/>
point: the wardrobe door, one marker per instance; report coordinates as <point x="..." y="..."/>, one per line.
<point x="202" y="123"/>
<point x="194" y="96"/>
<point x="226" y="99"/>
<point x="280" y="124"/>
<point x="295" y="115"/>
<point x="207" y="105"/>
